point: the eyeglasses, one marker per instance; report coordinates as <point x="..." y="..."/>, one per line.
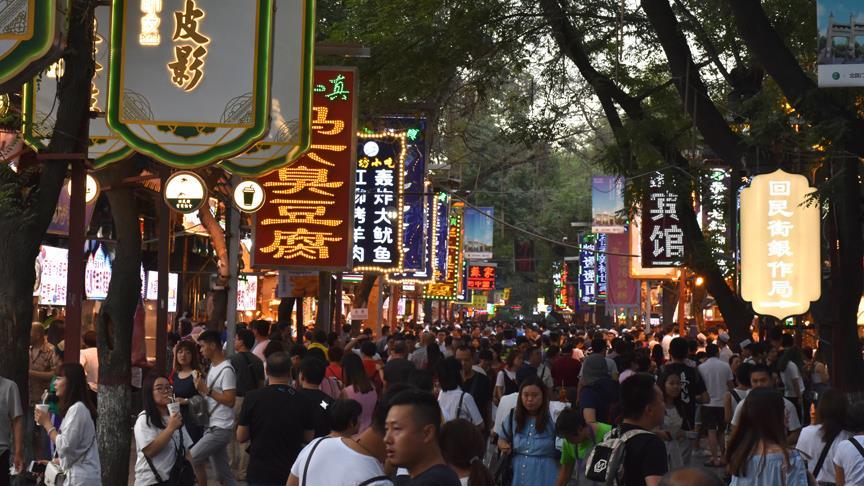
<point x="163" y="388"/>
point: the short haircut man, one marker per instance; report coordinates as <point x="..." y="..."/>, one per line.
<point x="279" y="365"/>
<point x="210" y="337"/>
<point x="312" y="369"/>
<point x="246" y="337"/>
<point x="637" y="392"/>
<point x="679" y="348"/>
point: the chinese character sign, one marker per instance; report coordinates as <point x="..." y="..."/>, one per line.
<point x="779" y="245"/>
<point x="588" y="270"/>
<point x="305" y="221"/>
<point x="378" y="209"/>
<point x="427" y="274"/>
<point x="601" y="266"/>
<point x="31" y="38"/>
<point x="189" y="80"/>
<point x="450" y="286"/>
<point x="97" y="275"/>
<point x="662" y="236"/>
<point x="442" y="216"/>
<point x="716" y="190"/>
<point x="481" y="277"/>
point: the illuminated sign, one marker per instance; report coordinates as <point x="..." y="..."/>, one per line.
<point x="607" y="204"/>
<point x="662" y="236"/>
<point x="184" y="192"/>
<point x="197" y="89"/>
<point x="636" y="269"/>
<point x="449" y="287"/>
<point x="716" y="200"/>
<point x="38" y="105"/>
<point x="249" y="196"/>
<point x="247" y="293"/>
<point x="588" y="270"/>
<point x="601" y="266"/>
<point x="481" y="277"/>
<point x="779" y="245"/>
<point x="91" y="189"/>
<point x="97" y="275"/>
<point x="378" y="208"/>
<point x="623" y="291"/>
<point x="430" y="227"/>
<point x="291" y="96"/>
<point x="54" y="263"/>
<point x="442" y="227"/>
<point x="153" y="288"/>
<point x="31" y="35"/>
<point x="559" y="282"/>
<point x="479" y="233"/>
<point x="306" y="219"/>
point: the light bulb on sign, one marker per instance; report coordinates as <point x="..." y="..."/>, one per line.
<point x="370" y="149"/>
<point x="91" y="191"/>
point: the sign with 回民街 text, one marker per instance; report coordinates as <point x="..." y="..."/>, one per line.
<point x="306" y="220"/>
<point x="31" y="38"/>
<point x="662" y="235"/>
<point x="779" y="245"/>
<point x="189" y="80"/>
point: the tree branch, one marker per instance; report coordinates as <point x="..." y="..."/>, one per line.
<point x="703" y="37"/>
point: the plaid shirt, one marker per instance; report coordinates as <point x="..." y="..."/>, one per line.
<point x="42" y="358"/>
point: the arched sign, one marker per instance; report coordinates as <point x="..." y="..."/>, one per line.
<point x="31" y="35"/>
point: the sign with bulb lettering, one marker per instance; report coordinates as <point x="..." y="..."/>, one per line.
<point x="31" y="38"/>
<point x="449" y="287"/>
<point x="779" y="245"/>
<point x="189" y="80"/>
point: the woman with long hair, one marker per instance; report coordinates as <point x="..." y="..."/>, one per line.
<point x="463" y="448"/>
<point x="358" y="387"/>
<point x="160" y="437"/>
<point x="75" y="441"/>
<point x="505" y="382"/>
<point x="672" y="430"/>
<point x="757" y="452"/>
<point x="186" y="362"/>
<point x="818" y="442"/>
<point x="529" y="434"/>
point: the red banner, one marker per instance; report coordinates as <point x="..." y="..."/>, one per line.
<point x="481" y="277"/>
<point x="621" y="290"/>
<point x="307" y="218"/>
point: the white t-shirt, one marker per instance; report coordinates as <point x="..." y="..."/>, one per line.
<point x="792" y="421"/>
<point x="716" y="375"/>
<point x="790" y="376"/>
<point x="336" y="464"/>
<point x="449" y="402"/>
<point x="221" y="378"/>
<point x="810" y="443"/>
<point x="163" y="461"/>
<point x="850" y="459"/>
<point x="508" y="403"/>
<point x="664" y="343"/>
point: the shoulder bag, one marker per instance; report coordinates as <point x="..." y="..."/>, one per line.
<point x="182" y="473"/>
<point x="199" y="409"/>
<point x="309" y="459"/>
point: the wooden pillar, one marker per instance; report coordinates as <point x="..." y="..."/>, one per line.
<point x="163" y="261"/>
<point x="75" y="275"/>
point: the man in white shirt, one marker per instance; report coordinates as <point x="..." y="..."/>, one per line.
<point x="718" y="379"/>
<point x="760" y="377"/>
<point x="219" y="388"/>
<point x="668" y="336"/>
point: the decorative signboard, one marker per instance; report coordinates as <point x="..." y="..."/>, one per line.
<point x="479" y="233"/>
<point x="297" y="284"/>
<point x="306" y="221"/>
<point x="249" y="196"/>
<point x="54" y="263"/>
<point x="623" y="291"/>
<point x="378" y="208"/>
<point x="185" y="192"/>
<point x="247" y="293"/>
<point x="97" y="275"/>
<point x="840" y="62"/>
<point x="189" y="80"/>
<point x="39" y="102"/>
<point x="779" y="245"/>
<point x="91" y="189"/>
<point x="636" y="269"/>
<point x="559" y="284"/>
<point x="588" y="270"/>
<point x="442" y="227"/>
<point x="607" y="204"/>
<point x="449" y="287"/>
<point x="153" y="288"/>
<point x="430" y="229"/>
<point x="291" y="105"/>
<point x="31" y="38"/>
<point x="601" y="266"/>
<point x="481" y="277"/>
<point x="662" y="236"/>
<point x="716" y="208"/>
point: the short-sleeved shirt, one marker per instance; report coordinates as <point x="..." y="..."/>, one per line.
<point x="277" y="417"/>
<point x="851" y="460"/>
<point x="10" y="409"/>
<point x="716" y="375"/>
<point x="811" y="444"/>
<point x="600" y="396"/>
<point x="320" y="402"/>
<point x="459" y="404"/>
<point x="249" y="370"/>
<point x="163" y="461"/>
<point x="645" y="455"/>
<point x="42" y="358"/>
<point x="438" y="475"/>
<point x="792" y="421"/>
<point x="336" y="464"/>
<point x="570" y="452"/>
<point x="691" y="387"/>
<point x="221" y="378"/>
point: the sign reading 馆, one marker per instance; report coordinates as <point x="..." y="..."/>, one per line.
<point x="306" y="219"/>
<point x="449" y="287"/>
<point x="481" y="277"/>
<point x="189" y="80"/>
<point x="779" y="245"/>
<point x="31" y="38"/>
<point x="378" y="209"/>
<point x="662" y="236"/>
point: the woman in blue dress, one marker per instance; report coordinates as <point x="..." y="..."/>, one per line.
<point x="529" y="434"/>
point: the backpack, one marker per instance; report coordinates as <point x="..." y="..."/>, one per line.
<point x="605" y="464"/>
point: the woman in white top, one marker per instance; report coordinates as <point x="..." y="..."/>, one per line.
<point x="830" y="419"/>
<point x="849" y="456"/>
<point x="76" y="445"/>
<point x="454" y="402"/>
<point x="159" y="436"/>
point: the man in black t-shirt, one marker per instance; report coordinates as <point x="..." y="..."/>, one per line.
<point x="312" y="372"/>
<point x="413" y="426"/>
<point x="278" y="421"/>
<point x="643" y="408"/>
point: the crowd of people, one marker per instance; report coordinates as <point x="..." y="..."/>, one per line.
<point x="474" y="403"/>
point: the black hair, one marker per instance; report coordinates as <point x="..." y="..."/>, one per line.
<point x="343" y="413"/>
<point x="354" y="373"/>
<point x="316" y="353"/>
<point x="368" y="348"/>
<point x="712" y="350"/>
<point x="421" y="379"/>
<point x="77" y="389"/>
<point x="449" y="371"/>
<point x="151" y="410"/>
<point x="319" y="336"/>
<point x="335" y="354"/>
<point x="261" y="327"/>
<point x="598" y="345"/>
<point x="91" y="338"/>
<point x="570" y="422"/>
<point x="424" y="408"/>
<point x="831" y="413"/>
<point x="278" y="365"/>
<point x="297" y="350"/>
<point x="313" y="369"/>
<point x="637" y="392"/>
<point x="787" y="341"/>
<point x="679" y="348"/>
<point x="211" y="337"/>
<point x="379" y="413"/>
<point x="463" y="446"/>
<point x="760" y="368"/>
<point x="246" y="337"/>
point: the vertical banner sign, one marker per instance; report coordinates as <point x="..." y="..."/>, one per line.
<point x="291" y="95"/>
<point x="305" y="221"/>
<point x="840" y="61"/>
<point x="607" y="204"/>
<point x="779" y="245"/>
<point x="39" y="102"/>
<point x="716" y="206"/>
<point x="588" y="270"/>
<point x="622" y="291"/>
<point x="449" y="288"/>
<point x="378" y="208"/>
<point x="479" y="233"/>
<point x="636" y="269"/>
<point x="662" y="236"/>
<point x="189" y="80"/>
<point x="481" y="277"/>
<point x="97" y="275"/>
<point x="31" y="38"/>
<point x="426" y="275"/>
<point x="559" y="282"/>
<point x="601" y="266"/>
<point x="442" y="228"/>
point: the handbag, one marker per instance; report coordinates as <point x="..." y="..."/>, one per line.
<point x="199" y="409"/>
<point x="181" y="474"/>
<point x="55" y="475"/>
<point x="503" y="471"/>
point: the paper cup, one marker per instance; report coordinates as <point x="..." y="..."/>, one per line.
<point x="173" y="408"/>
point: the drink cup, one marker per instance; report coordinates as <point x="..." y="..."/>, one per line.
<point x="43" y="407"/>
<point x="173" y="408"/>
<point x="248" y="195"/>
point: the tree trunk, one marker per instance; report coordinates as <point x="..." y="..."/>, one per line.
<point x="361" y="298"/>
<point x="219" y="293"/>
<point x="27" y="211"/>
<point x="114" y="328"/>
